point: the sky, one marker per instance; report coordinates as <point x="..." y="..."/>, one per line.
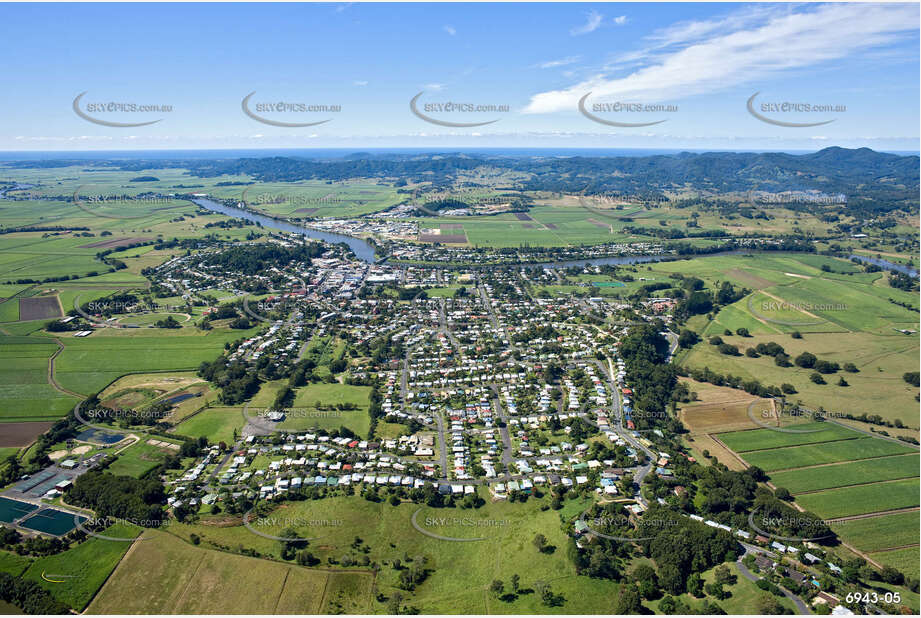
<point x="686" y="71"/>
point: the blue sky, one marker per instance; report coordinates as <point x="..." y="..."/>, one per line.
<point x="704" y="60"/>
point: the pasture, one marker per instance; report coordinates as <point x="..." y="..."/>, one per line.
<point x="83" y="568"/>
<point x="462" y="570"/>
<point x="166" y="575"/>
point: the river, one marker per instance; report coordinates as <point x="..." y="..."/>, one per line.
<point x="899" y="268"/>
<point x="359" y="247"/>
<point x="365" y="252"/>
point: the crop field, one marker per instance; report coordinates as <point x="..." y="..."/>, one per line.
<point x="823" y="453"/>
<point x="879" y="533"/>
<point x="847" y="501"/>
<point x="164" y="574"/>
<point x="905" y="560"/>
<point x="806" y="433"/>
<point x="25" y="394"/>
<point x="850" y="473"/>
<point x="88" y="365"/>
<point x="82" y="569"/>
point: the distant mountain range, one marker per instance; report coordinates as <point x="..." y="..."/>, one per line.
<point x="872" y="181"/>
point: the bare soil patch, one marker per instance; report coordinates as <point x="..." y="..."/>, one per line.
<point x="307" y="211"/>
<point x="21" y="434"/>
<point x="750" y="280"/>
<point x="523" y="216"/>
<point x="444" y="238"/>
<point x="39" y="308"/>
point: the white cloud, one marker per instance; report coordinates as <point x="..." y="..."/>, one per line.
<point x="552" y="64"/>
<point x="434" y="86"/>
<point x="719" y="55"/>
<point x="592" y="23"/>
<point x="621" y="20"/>
<point x="360" y="82"/>
<point x="450" y="30"/>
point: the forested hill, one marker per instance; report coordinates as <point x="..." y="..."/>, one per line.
<point x="872" y="181"/>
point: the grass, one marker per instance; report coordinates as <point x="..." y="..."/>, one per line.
<point x="758" y="439"/>
<point x="14" y="564"/>
<point x="166" y="575"/>
<point x="139" y="458"/>
<point x="827" y="452"/>
<point x="217" y="424"/>
<point x="879" y="533"/>
<point x="462" y="571"/>
<point x="305" y="415"/>
<point x="862" y="499"/>
<point x="85" y="566"/>
<point x="850" y="473"/>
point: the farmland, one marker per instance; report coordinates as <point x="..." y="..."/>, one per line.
<point x="851" y="473"/>
<point x="823" y="453"/>
<point x="164" y="574"/>
<point x="82" y="569"/>
<point x="847" y="501"/>
<point x="792" y="435"/>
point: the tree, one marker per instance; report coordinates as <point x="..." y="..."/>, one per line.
<point x="497" y="587"/>
<point x="842" y="381"/>
<point x="788" y="389"/>
<point x="817" y="378"/>
<point x="724" y="576"/>
<point x="695" y="585"/>
<point x="912" y="377"/>
<point x="516" y="580"/>
<point x="743" y="332"/>
<point x="796" y="334"/>
<point x="628" y="602"/>
<point x="540" y="542"/>
<point x="806" y="360"/>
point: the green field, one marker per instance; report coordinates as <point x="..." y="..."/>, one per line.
<point x="462" y="570"/>
<point x="844" y="316"/>
<point x="25" y="394"/>
<point x="805" y="433"/>
<point x="878" y="533"/>
<point x="84" y="567"/>
<point x="905" y="560"/>
<point x="850" y="473"/>
<point x="305" y="415"/>
<point x="217" y="424"/>
<point x="139" y="458"/>
<point x="827" y="452"/>
<point x="862" y="499"/>
<point x="166" y="575"/>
